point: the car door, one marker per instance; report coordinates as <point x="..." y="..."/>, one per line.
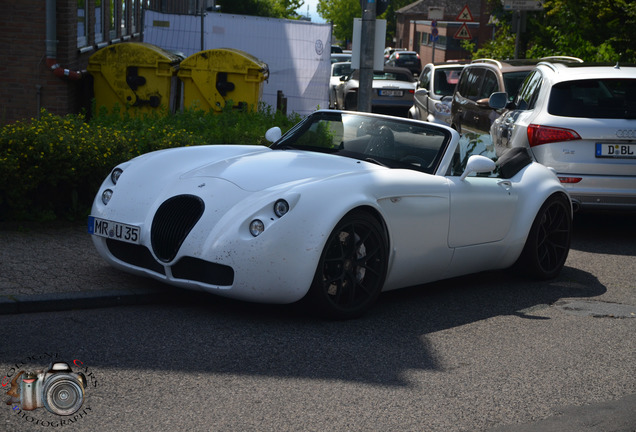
<point x="421" y="97"/>
<point x="481" y="210"/>
<point x="465" y="99"/>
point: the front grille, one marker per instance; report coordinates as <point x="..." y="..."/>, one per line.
<point x="203" y="271"/>
<point x="172" y="223"/>
<point x="133" y="254"/>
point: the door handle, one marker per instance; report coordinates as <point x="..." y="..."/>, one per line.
<point x="506" y="184"/>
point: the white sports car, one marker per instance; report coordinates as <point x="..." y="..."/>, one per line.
<point x="343" y="206"/>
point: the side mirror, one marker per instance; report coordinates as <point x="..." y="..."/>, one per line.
<point x="273" y="134"/>
<point x="343" y="78"/>
<point x="498" y="100"/>
<point x="478" y="164"/>
<point x="421" y="92"/>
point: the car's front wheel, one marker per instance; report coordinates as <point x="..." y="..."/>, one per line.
<point x="352" y="268"/>
<point x="548" y="243"/>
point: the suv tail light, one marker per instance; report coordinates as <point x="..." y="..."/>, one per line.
<point x="538" y="135"/>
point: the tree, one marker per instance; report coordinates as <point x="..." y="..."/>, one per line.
<point x="263" y="8"/>
<point x="341" y="14"/>
<point x="593" y="30"/>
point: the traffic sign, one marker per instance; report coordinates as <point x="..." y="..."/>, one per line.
<point x="465" y="15"/>
<point x="463" y="33"/>
<point x="522" y="5"/>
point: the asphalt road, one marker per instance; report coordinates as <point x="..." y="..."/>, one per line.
<point x="489" y="352"/>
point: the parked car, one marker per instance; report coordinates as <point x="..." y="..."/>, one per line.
<point x="406" y="59"/>
<point x="393" y="88"/>
<point x="338" y="70"/>
<point x="470" y="112"/>
<point x="389" y="50"/>
<point x="434" y="92"/>
<point x="579" y="119"/>
<point x="342" y="207"/>
<point x="340" y="57"/>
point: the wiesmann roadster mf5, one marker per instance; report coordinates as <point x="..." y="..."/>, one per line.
<point x="340" y="208"/>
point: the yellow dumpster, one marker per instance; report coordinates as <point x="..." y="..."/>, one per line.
<point x="135" y="76"/>
<point x="214" y="77"/>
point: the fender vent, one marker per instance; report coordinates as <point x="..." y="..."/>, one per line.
<point x="172" y="223"/>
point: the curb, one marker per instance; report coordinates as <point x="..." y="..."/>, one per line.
<point x="15" y="304"/>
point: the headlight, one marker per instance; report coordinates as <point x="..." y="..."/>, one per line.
<point x="256" y="227"/>
<point x="106" y="196"/>
<point x="114" y="176"/>
<point x="281" y="207"/>
<point x="442" y="108"/>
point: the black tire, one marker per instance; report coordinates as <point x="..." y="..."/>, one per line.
<point x="548" y="243"/>
<point x="351" y="270"/>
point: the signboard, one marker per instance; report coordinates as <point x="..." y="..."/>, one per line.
<point x="435" y="13"/>
<point x="463" y="33"/>
<point x="465" y="15"/>
<point x="530" y="5"/>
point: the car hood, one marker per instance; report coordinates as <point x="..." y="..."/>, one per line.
<point x="270" y="168"/>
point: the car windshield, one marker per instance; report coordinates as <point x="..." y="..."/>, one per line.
<point x="340" y="69"/>
<point x="594" y="98"/>
<point x="387" y="141"/>
<point x="406" y="56"/>
<point x="394" y="76"/>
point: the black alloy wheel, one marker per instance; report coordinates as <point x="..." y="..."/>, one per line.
<point x="548" y="243"/>
<point x="352" y="268"/>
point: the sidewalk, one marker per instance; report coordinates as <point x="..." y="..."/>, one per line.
<point x="45" y="267"/>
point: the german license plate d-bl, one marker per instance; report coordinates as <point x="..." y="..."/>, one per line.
<point x="621" y="151"/>
<point x="114" y="230"/>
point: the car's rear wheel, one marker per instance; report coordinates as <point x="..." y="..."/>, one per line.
<point x="548" y="243"/>
<point x="352" y="268"/>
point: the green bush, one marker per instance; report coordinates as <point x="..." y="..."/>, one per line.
<point x="51" y="167"/>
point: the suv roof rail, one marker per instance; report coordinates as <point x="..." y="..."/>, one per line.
<point x="563" y="59"/>
<point x="549" y="61"/>
<point x="487" y="60"/>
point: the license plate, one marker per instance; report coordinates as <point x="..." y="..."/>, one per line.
<point x="392" y="93"/>
<point x="622" y="151"/>
<point x="114" y="230"/>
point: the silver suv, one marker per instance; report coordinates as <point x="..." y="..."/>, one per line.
<point x="579" y="119"/>
<point x="434" y="92"/>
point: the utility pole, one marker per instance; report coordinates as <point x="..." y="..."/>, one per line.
<point x="367" y="31"/>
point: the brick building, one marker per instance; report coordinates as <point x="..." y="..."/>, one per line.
<point x="414" y="28"/>
<point x="46" y="45"/>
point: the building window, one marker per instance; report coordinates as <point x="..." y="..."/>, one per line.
<point x="82" y="23"/>
<point x="99" y="21"/>
<point x="112" y="20"/>
<point x="135" y="16"/>
<point x="124" y="18"/>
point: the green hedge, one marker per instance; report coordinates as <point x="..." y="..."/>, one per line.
<point x="51" y="167"/>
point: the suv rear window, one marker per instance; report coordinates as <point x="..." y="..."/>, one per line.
<point x="594" y="98"/>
